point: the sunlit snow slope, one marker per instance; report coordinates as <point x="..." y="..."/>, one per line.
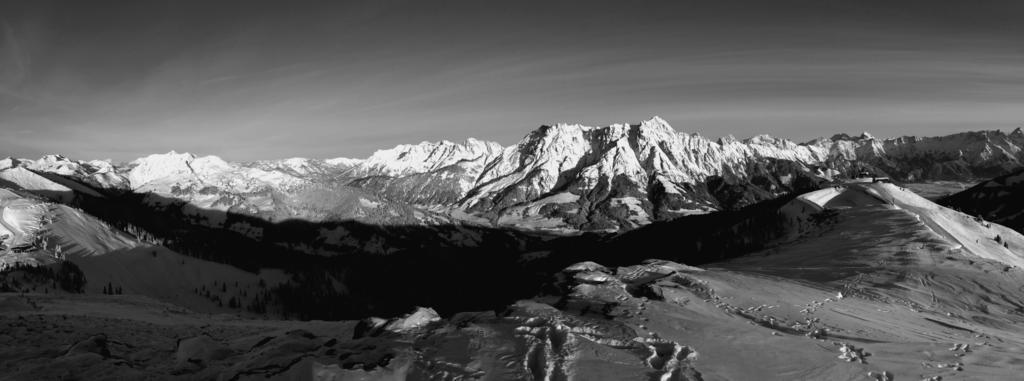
<point x="875" y="283"/>
<point x="40" y="233"/>
<point x="963" y="233"/>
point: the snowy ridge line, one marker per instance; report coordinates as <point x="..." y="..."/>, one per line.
<point x="608" y="178"/>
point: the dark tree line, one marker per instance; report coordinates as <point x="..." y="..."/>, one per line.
<point x="428" y="271"/>
<point x="237" y="297"/>
<point x="64" y="275"/>
<point x="109" y="289"/>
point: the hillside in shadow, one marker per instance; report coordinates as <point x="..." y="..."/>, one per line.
<point x="998" y="200"/>
<point x="692" y="240"/>
<point x="426" y="265"/>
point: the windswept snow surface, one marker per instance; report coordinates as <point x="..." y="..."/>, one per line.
<point x="821" y="197"/>
<point x="893" y="278"/>
<point x="22" y="178"/>
<point x="975" y="237"/>
<point x="81" y="235"/>
<point x="1000" y="199"/>
<point x="28" y="221"/>
<point x="656" y="320"/>
<point x="20" y="218"/>
<point x="41" y="233"/>
<point x="978" y="237"/>
<point x="876" y="284"/>
<point x="56" y="231"/>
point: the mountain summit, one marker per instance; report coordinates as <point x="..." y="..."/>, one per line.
<point x="623" y="175"/>
<point x="560" y="177"/>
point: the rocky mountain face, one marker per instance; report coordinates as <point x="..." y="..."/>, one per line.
<point x="562" y="178"/>
<point x="576" y="177"/>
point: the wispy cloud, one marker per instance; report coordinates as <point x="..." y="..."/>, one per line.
<point x="265" y="80"/>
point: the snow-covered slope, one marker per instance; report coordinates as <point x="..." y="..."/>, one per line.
<point x="941" y="319"/>
<point x="38" y="232"/>
<point x="426" y="173"/>
<point x="80" y="235"/>
<point x="30" y="181"/>
<point x="160" y="173"/>
<point x="644" y="165"/>
<point x="21" y="219"/>
<point x="562" y="177"/>
<point x="55" y="188"/>
<point x="34" y="232"/>
<point x="162" y="274"/>
<point x="623" y="175"/>
<point x="408" y="159"/>
<point x="212" y="189"/>
<point x="963" y="233"/>
<point x="886" y="285"/>
<point x="100" y="174"/>
<point x="302" y="167"/>
<point x="1000" y="199"/>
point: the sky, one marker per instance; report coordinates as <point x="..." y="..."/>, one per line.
<point x="250" y="80"/>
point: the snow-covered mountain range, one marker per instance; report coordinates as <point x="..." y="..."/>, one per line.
<point x="562" y="177"/>
<point x="849" y="271"/>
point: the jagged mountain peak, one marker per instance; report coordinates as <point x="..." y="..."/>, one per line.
<point x="343" y="162"/>
<point x="169" y="157"/>
<point x="842" y="136"/>
<point x="158" y="166"/>
<point x="100" y="173"/>
<point x="185" y="167"/>
<point x="728" y="139"/>
<point x="54" y="163"/>
<point x="175" y="153"/>
<point x="656" y="120"/>
<point x="54" y="158"/>
<point x="9" y="162"/>
<point x="424" y="157"/>
<point x="768" y="140"/>
<point x="469" y="143"/>
<point x="304" y="167"/>
<point x="572" y="174"/>
<point x="654" y="124"/>
<point x="174" y="158"/>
